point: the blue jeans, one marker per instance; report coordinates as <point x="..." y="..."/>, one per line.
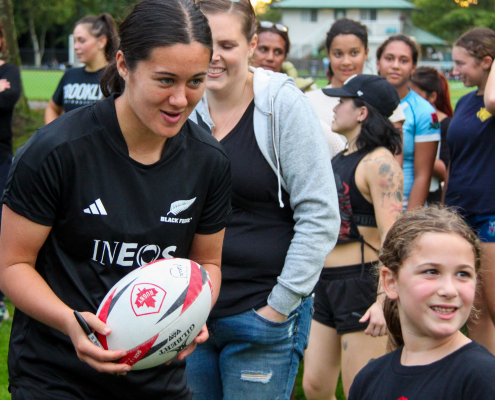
<point x="249" y="357"/>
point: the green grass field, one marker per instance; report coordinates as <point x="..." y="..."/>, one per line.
<point x="40" y="85"/>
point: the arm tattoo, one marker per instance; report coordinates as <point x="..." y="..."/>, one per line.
<point x="391" y="183"/>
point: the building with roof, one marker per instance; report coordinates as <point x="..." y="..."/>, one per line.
<point x="309" y="21"/>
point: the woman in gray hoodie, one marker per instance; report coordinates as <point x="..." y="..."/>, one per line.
<point x="285" y="217"/>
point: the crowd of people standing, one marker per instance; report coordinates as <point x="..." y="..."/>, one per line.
<point x="318" y="213"/>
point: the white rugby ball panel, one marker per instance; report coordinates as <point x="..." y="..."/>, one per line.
<point x="156" y="311"/>
<point x="172" y="340"/>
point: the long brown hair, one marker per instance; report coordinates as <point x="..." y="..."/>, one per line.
<point x="401" y="240"/>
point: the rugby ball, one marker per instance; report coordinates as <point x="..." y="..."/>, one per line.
<point x="156" y="311"/>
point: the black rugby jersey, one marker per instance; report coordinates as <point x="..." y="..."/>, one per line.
<point x="109" y="215"/>
<point x="78" y="88"/>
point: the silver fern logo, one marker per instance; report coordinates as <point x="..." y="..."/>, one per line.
<point x="176" y="208"/>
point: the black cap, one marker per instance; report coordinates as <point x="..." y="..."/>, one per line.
<point x="373" y="89"/>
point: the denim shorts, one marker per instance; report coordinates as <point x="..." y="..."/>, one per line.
<point x="249" y="357"/>
<point x="483" y="226"/>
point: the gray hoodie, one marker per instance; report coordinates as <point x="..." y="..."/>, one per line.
<point x="290" y="137"/>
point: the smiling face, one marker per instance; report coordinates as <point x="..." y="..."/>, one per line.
<point x="435" y="286"/>
<point x="231" y="51"/>
<point x="161" y="92"/>
<point x="270" y="52"/>
<point x="347" y="55"/>
<point x="469" y="69"/>
<point x="86" y="46"/>
<point x="396" y="64"/>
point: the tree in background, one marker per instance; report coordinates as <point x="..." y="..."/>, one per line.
<point x="37" y="17"/>
<point x="448" y="19"/>
<point x="265" y="13"/>
<point x="7" y="17"/>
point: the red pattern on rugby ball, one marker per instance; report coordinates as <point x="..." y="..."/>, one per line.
<point x="195" y="286"/>
<point x="134" y="355"/>
<point x="103" y="315"/>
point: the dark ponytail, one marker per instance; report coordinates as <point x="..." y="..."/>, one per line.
<point x="103" y="25"/>
<point x="377" y="131"/>
<point x="152" y="24"/>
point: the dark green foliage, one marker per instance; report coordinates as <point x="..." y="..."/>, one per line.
<point x="448" y="20"/>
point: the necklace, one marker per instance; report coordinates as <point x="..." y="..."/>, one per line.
<point x="235" y="109"/>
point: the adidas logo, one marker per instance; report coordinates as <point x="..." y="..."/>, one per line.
<point x="96" y="208"/>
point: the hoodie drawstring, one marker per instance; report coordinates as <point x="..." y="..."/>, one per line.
<point x="276" y="154"/>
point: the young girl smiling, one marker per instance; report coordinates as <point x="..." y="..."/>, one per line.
<point x="430" y="259"/>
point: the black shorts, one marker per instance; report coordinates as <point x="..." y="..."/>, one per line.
<point x="342" y="296"/>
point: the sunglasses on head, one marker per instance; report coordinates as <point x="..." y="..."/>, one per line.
<point x="269" y="24"/>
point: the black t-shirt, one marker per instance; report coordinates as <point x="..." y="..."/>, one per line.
<point x="109" y="215"/>
<point x="8" y="98"/>
<point x="255" y="245"/>
<point x="78" y="88"/>
<point x="467" y="373"/>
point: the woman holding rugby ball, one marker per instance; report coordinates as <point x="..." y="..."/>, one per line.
<point x="90" y="190"/>
<point x="430" y="261"/>
<point x="348" y="315"/>
<point x="285" y="217"/>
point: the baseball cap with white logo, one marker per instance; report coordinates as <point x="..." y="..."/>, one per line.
<point x="373" y="89"/>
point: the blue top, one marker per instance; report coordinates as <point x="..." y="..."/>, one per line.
<point x="421" y="126"/>
<point x="471" y="139"/>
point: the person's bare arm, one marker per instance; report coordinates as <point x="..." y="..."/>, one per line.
<point x="489" y="94"/>
<point x="445" y="184"/>
<point x="439" y="170"/>
<point x="400" y="157"/>
<point x="384" y="183"/>
<point x="424" y="158"/>
<point x="20" y="242"/>
<point x="52" y="111"/>
<point x="206" y="250"/>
